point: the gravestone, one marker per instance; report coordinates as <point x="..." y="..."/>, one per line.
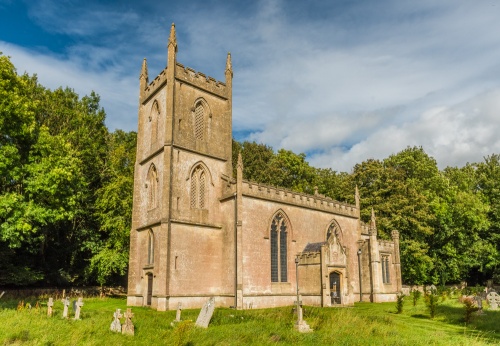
<point x="206" y="313"/>
<point x="1" y="295"/>
<point x="78" y="307"/>
<point x="50" y="304"/>
<point x="431" y="289"/>
<point x="493" y="299"/>
<point x="65" y="302"/>
<point x="128" y="327"/>
<point x="116" y="326"/>
<point x="479" y="303"/>
<point x="178" y="314"/>
<point x="301" y="325"/>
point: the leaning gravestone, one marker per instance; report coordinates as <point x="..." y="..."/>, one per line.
<point x="50" y="304"/>
<point x="493" y="299"/>
<point x="206" y="313"/>
<point x="116" y="326"/>
<point x="78" y="306"/>
<point x="128" y="327"/>
<point x="65" y="302"/>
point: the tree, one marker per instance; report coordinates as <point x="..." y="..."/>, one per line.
<point x="114" y="208"/>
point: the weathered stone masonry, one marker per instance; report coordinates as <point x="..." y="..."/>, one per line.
<point x="197" y="232"/>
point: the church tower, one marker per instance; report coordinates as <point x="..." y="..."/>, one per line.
<point x="184" y="144"/>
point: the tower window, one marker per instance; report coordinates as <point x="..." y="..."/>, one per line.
<point x="199" y="122"/>
<point x="153" y="119"/>
<point x="198" y="188"/>
<point x="152" y="186"/>
<point x="151" y="247"/>
<point x="279" y="245"/>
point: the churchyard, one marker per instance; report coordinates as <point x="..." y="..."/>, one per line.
<point x="363" y="324"/>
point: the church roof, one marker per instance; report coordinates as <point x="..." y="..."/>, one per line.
<point x="314" y="247"/>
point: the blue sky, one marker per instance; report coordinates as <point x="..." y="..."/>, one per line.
<point x="342" y="81"/>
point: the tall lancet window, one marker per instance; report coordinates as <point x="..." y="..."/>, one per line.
<point x="198" y="188"/>
<point x="152" y="187"/>
<point x="154" y="115"/>
<point x="279" y="246"/>
<point x="151" y="247"/>
<point x="199" y="122"/>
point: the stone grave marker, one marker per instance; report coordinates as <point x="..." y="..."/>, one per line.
<point x="65" y="302"/>
<point x="431" y="289"/>
<point x="206" y="313"/>
<point x="1" y="295"/>
<point x="50" y="304"/>
<point x="178" y="314"/>
<point x="479" y="303"/>
<point x="128" y="327"/>
<point x="301" y="325"/>
<point x="493" y="299"/>
<point x="78" y="307"/>
<point x="116" y="326"/>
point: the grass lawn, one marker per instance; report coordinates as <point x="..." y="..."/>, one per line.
<point x="363" y="324"/>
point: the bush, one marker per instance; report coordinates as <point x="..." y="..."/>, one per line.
<point x="415" y="294"/>
<point x="470" y="307"/>
<point x="400" y="302"/>
<point x="432" y="301"/>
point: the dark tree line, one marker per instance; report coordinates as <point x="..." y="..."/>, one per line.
<point x="449" y="220"/>
<point x="65" y="186"/>
<point x="66" y="194"/>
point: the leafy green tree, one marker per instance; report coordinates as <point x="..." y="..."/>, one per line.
<point x="114" y="208"/>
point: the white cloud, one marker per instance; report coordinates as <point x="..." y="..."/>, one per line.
<point x="118" y="93"/>
<point x="345" y="82"/>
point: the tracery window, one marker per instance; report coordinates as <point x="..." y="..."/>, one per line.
<point x="152" y="186"/>
<point x="198" y="188"/>
<point x="385" y="269"/>
<point x="334" y="230"/>
<point x="279" y="246"/>
<point x="151" y="247"/>
<point x="199" y="122"/>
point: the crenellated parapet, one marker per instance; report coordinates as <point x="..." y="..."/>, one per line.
<point x="275" y="194"/>
<point x="385" y="245"/>
<point x="155" y="84"/>
<point x="365" y="229"/>
<point x="200" y="80"/>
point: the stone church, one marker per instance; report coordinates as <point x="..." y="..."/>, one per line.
<point x="198" y="232"/>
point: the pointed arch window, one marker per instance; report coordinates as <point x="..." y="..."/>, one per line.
<point x="199" y="188"/>
<point x="279" y="249"/>
<point x="199" y="122"/>
<point x="334" y="230"/>
<point x="153" y="119"/>
<point x="151" y="247"/>
<point x="152" y="186"/>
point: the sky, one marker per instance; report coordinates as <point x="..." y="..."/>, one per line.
<point x="341" y="81"/>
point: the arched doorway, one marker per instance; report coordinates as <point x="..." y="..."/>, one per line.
<point x="150" y="289"/>
<point x="335" y="288"/>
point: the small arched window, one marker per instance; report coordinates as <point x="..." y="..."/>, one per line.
<point x="151" y="247"/>
<point x="198" y="188"/>
<point x="153" y="119"/>
<point x="152" y="186"/>
<point x="279" y="247"/>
